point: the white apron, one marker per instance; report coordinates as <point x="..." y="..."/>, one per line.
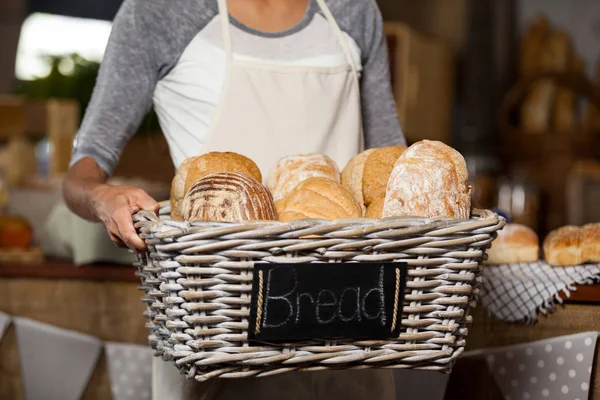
<point x="267" y="112"/>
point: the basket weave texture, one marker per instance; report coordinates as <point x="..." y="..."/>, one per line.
<point x="197" y="281"/>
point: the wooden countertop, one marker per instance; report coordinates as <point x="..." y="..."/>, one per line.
<point x="126" y="273"/>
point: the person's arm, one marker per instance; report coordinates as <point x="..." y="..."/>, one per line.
<point x="122" y="97"/>
<point x="380" y="116"/>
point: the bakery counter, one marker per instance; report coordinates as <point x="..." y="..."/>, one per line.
<point x="99" y="300"/>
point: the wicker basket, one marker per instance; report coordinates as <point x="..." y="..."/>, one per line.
<point x="197" y="280"/>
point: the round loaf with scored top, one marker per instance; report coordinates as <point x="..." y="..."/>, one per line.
<point x="318" y="198"/>
<point x="228" y="197"/>
<point x="216" y="162"/>
<point x="429" y="180"/>
<point x="291" y="170"/>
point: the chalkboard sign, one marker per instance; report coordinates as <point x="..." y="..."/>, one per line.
<point x="331" y="301"/>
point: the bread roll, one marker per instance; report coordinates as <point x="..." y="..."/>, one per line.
<point x="590" y="243"/>
<point x="562" y="246"/>
<point x="429" y="180"/>
<point x="375" y="209"/>
<point x="318" y="197"/>
<point x="178" y="188"/>
<point x="215" y="162"/>
<point x="378" y="168"/>
<point x="515" y="243"/>
<point x="291" y="170"/>
<point x="228" y="197"/>
<point x="352" y="175"/>
<point x="564" y="118"/>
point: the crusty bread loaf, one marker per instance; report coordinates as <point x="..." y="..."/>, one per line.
<point x="352" y="175"/>
<point x="216" y="162"/>
<point x="318" y="197"/>
<point x="378" y="168"/>
<point x="590" y="243"/>
<point x="515" y="243"/>
<point x="291" y="170"/>
<point x="375" y="209"/>
<point x="430" y="179"/>
<point x="228" y="197"/>
<point x="178" y="188"/>
<point x="562" y="246"/>
<point x="564" y="118"/>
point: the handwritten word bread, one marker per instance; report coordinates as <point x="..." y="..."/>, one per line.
<point x="178" y="188"/>
<point x="216" y="162"/>
<point x="515" y="243"/>
<point x="291" y="170"/>
<point x="367" y="174"/>
<point x="318" y="197"/>
<point x="428" y="180"/>
<point x="228" y="197"/>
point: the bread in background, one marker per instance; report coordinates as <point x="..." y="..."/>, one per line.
<point x="228" y="197"/>
<point x="429" y="180"/>
<point x="562" y="246"/>
<point x="590" y="243"/>
<point x="318" y="197"/>
<point x="564" y="117"/>
<point x="291" y="170"/>
<point x="532" y="45"/>
<point x="178" y="188"/>
<point x="538" y="105"/>
<point x="515" y="244"/>
<point x="216" y="162"/>
<point x="591" y="118"/>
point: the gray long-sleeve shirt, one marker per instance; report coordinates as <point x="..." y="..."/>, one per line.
<point x="149" y="38"/>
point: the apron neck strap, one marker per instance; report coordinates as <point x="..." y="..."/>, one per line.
<point x="225" y="28"/>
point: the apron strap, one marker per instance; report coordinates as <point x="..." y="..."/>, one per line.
<point x="340" y="36"/>
<point x="225" y="28"/>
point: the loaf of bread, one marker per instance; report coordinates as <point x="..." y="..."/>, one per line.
<point x="532" y="45"/>
<point x="375" y="209"/>
<point x="537" y="108"/>
<point x="178" y="188"/>
<point x="291" y="170"/>
<point x="216" y="162"/>
<point x="228" y="197"/>
<point x="515" y="243"/>
<point x="318" y="197"/>
<point x="430" y="179"/>
<point x="590" y="243"/>
<point x="562" y="246"/>
<point x="352" y="175"/>
<point x="564" y="116"/>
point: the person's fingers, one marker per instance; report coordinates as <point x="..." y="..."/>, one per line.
<point x="127" y="233"/>
<point x="117" y="241"/>
<point x="144" y="201"/>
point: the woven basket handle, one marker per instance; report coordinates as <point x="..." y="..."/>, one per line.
<point x="579" y="83"/>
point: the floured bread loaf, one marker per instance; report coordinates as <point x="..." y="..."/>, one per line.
<point x="291" y="170"/>
<point x="178" y="188"/>
<point x="318" y="198"/>
<point x="562" y="247"/>
<point x="378" y="168"/>
<point x="428" y="180"/>
<point x="515" y="243"/>
<point x="228" y="197"/>
<point x="590" y="243"/>
<point x="352" y="176"/>
<point x="216" y="162"/>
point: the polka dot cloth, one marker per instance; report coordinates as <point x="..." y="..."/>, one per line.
<point x="557" y="369"/>
<point x="517" y="292"/>
<point x="130" y="369"/>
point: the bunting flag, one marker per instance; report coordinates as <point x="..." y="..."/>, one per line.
<point x="4" y="322"/>
<point x="56" y="363"/>
<point x="130" y="371"/>
<point x="558" y="368"/>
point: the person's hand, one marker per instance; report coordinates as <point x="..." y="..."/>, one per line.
<point x="114" y="207"/>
